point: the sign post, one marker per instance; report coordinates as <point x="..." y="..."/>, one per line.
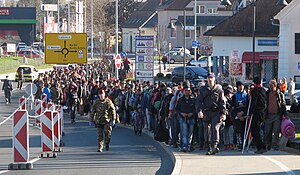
<point x="144" y="63"/>
<point x="118" y="61"/>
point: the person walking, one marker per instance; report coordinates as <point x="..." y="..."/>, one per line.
<point x="165" y="60"/>
<point x="276" y="109"/>
<point x="257" y="112"/>
<point x="186" y="110"/>
<point x="211" y="108"/>
<point x="7" y="88"/>
<point x="291" y="90"/>
<point x="103" y="115"/>
<point x="20" y="78"/>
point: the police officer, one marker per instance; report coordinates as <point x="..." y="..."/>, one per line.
<point x="211" y="108"/>
<point x="103" y="115"/>
<point x="7" y="88"/>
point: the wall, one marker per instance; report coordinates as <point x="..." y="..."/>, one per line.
<point x="289" y="25"/>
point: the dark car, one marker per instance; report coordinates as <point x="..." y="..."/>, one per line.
<point x="193" y="73"/>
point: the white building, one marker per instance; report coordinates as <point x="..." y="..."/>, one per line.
<point x="289" y="39"/>
<point x="232" y="40"/>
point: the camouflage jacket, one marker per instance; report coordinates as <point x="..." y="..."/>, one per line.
<point x="103" y="111"/>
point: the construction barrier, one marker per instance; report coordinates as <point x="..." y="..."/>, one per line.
<point x="61" y="119"/>
<point x="56" y="131"/>
<point x="47" y="137"/>
<point x="38" y="111"/>
<point x="44" y="102"/>
<point x="22" y="103"/>
<point x="20" y="140"/>
<point x="51" y="106"/>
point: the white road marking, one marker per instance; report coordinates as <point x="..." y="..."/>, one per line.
<point x="31" y="161"/>
<point x="4" y="171"/>
<point x="279" y="164"/>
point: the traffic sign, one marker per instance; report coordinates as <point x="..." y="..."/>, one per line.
<point x="123" y="54"/>
<point x="195" y="44"/>
<point x="65" y="48"/>
<point x="30" y="89"/>
<point x="118" y="61"/>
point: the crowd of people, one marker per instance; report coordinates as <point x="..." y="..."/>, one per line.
<point x="204" y="116"/>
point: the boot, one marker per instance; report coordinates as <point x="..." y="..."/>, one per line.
<point x="215" y="148"/>
<point x="209" y="149"/>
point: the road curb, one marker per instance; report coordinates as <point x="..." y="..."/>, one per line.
<point x="176" y="159"/>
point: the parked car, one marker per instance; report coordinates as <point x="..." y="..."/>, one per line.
<point x="21" y="45"/>
<point x="288" y="99"/>
<point x="30" y="72"/>
<point x="193" y="73"/>
<point x="180" y="49"/>
<point x="179" y="57"/>
<point x="27" y="54"/>
<point x="201" y="62"/>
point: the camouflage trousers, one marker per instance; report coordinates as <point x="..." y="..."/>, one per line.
<point x="104" y="134"/>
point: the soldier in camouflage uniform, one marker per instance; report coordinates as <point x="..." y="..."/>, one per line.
<point x="103" y="115"/>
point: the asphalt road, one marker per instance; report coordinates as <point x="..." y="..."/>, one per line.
<point x="129" y="154"/>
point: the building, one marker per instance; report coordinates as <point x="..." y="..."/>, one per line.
<point x="209" y="13"/>
<point x="233" y="42"/>
<point x="289" y="39"/>
<point x="17" y="24"/>
<point x="154" y="17"/>
<point x="141" y="22"/>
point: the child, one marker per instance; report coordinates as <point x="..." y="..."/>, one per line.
<point x="138" y="120"/>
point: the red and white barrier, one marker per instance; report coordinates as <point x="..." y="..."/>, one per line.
<point x="20" y="141"/>
<point x="61" y="119"/>
<point x="38" y="111"/>
<point x="47" y="136"/>
<point x="22" y="103"/>
<point x="44" y="102"/>
<point x="56" y="130"/>
<point x="51" y="106"/>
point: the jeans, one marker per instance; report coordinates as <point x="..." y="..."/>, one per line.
<point x="175" y="129"/>
<point x="272" y="126"/>
<point x="148" y="118"/>
<point x="186" y="131"/>
<point x="73" y="111"/>
<point x="211" y="124"/>
<point x="228" y="135"/>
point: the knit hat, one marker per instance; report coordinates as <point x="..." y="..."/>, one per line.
<point x="256" y="80"/>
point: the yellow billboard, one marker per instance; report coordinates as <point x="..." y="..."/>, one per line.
<point x="66" y="48"/>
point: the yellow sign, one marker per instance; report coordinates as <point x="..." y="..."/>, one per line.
<point x="65" y="48"/>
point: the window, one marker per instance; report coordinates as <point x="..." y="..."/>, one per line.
<point x="198" y="31"/>
<point x="200" y="9"/>
<point x="173" y="33"/>
<point x="212" y="11"/>
<point x="297" y="43"/>
<point x="188" y="34"/>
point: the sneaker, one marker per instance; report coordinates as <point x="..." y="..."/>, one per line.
<point x="261" y="151"/>
<point x="100" y="150"/>
<point x="184" y="149"/>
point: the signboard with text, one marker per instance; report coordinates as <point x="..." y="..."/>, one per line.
<point x="144" y="63"/>
<point x="65" y="48"/>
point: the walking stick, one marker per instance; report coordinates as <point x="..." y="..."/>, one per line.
<point x="246" y="127"/>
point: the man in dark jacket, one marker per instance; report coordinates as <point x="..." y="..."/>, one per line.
<point x="186" y="109"/>
<point x="7" y="88"/>
<point x="211" y="108"/>
<point x="276" y="108"/>
<point x="257" y="111"/>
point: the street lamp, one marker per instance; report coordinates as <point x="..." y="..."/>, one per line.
<point x="228" y="3"/>
<point x="183" y="25"/>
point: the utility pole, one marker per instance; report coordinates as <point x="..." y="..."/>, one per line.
<point x="117" y="36"/>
